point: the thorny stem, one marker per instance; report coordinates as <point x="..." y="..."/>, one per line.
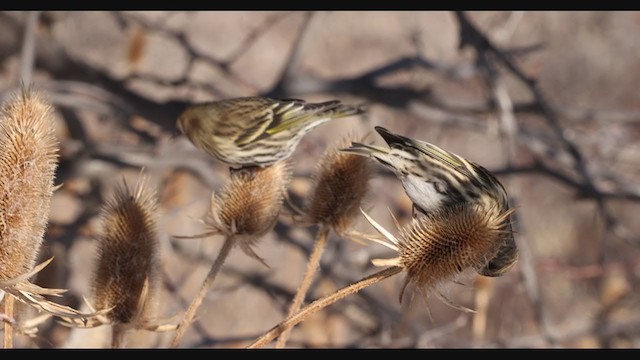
<point x="322" y="303"/>
<point x="312" y="265"/>
<point x="29" y="46"/>
<point x="206" y="285"/>
<point x="8" y="327"/>
<point x="117" y="336"/>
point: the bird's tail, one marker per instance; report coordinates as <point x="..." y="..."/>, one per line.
<point x="309" y="115"/>
<point x="366" y="150"/>
<point x="336" y="109"/>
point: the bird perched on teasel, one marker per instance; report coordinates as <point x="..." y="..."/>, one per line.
<point x="435" y="179"/>
<point x="256" y="131"/>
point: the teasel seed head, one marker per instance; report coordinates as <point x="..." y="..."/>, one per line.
<point x="28" y="160"/>
<point x="249" y="204"/>
<point x="127" y="275"/>
<point x="340" y="185"/>
<point x="446" y="243"/>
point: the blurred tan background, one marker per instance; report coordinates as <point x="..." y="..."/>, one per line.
<point x="548" y="101"/>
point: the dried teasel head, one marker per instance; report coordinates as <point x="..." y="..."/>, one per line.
<point x="127" y="274"/>
<point x="340" y="185"/>
<point x="249" y="204"/>
<point x="28" y="160"/>
<point x="446" y="243"/>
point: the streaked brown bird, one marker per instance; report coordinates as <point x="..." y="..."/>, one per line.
<point x="256" y="131"/>
<point x="434" y="179"/>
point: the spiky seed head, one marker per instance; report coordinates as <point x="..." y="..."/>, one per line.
<point x="249" y="204"/>
<point x="446" y="243"/>
<point x="127" y="274"/>
<point x="256" y="131"/>
<point x="340" y="185"/>
<point x="28" y="160"/>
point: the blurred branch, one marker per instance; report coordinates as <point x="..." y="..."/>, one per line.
<point x="293" y="63"/>
<point x="85" y="96"/>
<point x="162" y="156"/>
<point x="254" y="36"/>
<point x="509" y="128"/>
<point x="194" y="54"/>
<point x="329" y="271"/>
<point x="538" y="167"/>
<point x="28" y="46"/>
<point x="444" y="330"/>
<point x="602" y="117"/>
<point x="471" y="36"/>
<point x="619" y="328"/>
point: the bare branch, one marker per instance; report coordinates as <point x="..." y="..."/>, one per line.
<point x="28" y="46"/>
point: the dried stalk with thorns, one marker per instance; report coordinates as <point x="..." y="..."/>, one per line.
<point x="245" y="210"/>
<point x="126" y="279"/>
<point x="340" y="185"/>
<point x="431" y="249"/>
<point x="28" y="160"/>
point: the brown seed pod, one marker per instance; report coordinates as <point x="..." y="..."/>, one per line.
<point x="249" y="204"/>
<point x="438" y="247"/>
<point x="340" y="185"/>
<point x="28" y="160"/>
<point x="127" y="271"/>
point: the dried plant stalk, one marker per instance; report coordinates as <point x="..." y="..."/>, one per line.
<point x="430" y="249"/>
<point x="323" y="303"/>
<point x="202" y="293"/>
<point x="312" y="265"/>
<point x="8" y="326"/>
<point x="28" y="160"/>
<point x="245" y="210"/>
<point x="127" y="275"/>
<point x="440" y="246"/>
<point x="444" y="244"/>
<point x="340" y="185"/>
<point x="34" y="296"/>
<point x="248" y="206"/>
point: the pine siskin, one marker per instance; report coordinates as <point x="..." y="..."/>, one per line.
<point x="256" y="131"/>
<point x="434" y="179"/>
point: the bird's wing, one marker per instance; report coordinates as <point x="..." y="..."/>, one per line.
<point x="446" y="158"/>
<point x="260" y="122"/>
<point x="287" y="113"/>
<point x="271" y="117"/>
<point x="437" y="153"/>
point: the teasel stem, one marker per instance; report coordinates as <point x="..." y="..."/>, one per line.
<point x="322" y="303"/>
<point x="117" y="336"/>
<point x="204" y="289"/>
<point x="484" y="286"/>
<point x="8" y="326"/>
<point x="312" y="266"/>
